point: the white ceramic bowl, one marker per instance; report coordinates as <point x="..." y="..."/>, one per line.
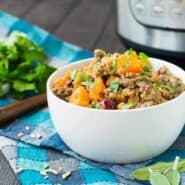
<point x="118" y="136"/>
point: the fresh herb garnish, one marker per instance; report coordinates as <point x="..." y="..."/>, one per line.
<point x="113" y="68"/>
<point x="130" y="51"/>
<point x="74" y="74"/>
<point x="157" y="86"/>
<point x="143" y="56"/>
<point x="170" y="89"/>
<point x="126" y="64"/>
<point x="114" y="86"/>
<point x="146" y="69"/>
<point x="143" y="77"/>
<point x="95" y="105"/>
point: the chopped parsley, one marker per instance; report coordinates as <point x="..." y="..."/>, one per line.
<point x="113" y="68"/>
<point x="143" y="56"/>
<point x="114" y="86"/>
<point x="130" y="51"/>
<point x="143" y="77"/>
<point x="126" y="64"/>
<point x="146" y="69"/>
<point x="95" y="105"/>
<point x="170" y="89"/>
<point x="157" y="86"/>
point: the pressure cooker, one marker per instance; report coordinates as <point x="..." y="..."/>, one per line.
<point x="154" y="26"/>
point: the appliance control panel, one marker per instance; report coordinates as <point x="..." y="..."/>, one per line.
<point x="159" y="13"/>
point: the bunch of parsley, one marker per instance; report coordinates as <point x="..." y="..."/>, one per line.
<point x="23" y="66"/>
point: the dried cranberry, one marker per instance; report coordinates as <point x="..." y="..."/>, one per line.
<point x="109" y="104"/>
<point x="69" y="83"/>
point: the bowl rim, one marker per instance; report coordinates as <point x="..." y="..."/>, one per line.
<point x="154" y="107"/>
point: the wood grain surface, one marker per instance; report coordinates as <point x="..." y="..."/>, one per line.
<point x="87" y="23"/>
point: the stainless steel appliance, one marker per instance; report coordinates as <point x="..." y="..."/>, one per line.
<point x="155" y="26"/>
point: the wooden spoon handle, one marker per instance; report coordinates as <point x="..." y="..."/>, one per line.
<point x="19" y="108"/>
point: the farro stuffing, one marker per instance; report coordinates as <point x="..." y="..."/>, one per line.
<point x="118" y="81"/>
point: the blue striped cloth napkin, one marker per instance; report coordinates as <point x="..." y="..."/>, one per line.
<point x="32" y="154"/>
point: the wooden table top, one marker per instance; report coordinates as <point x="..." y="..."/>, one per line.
<point x="87" y="23"/>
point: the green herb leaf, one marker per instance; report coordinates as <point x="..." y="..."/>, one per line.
<point x="23" y="65"/>
<point x="170" y="89"/>
<point x="1" y="89"/>
<point x="74" y="74"/>
<point x="143" y="56"/>
<point x="130" y="51"/>
<point x="157" y="86"/>
<point x="95" y="105"/>
<point x="157" y="178"/>
<point x="146" y="69"/>
<point x="143" y="77"/>
<point x="143" y="173"/>
<point x="21" y="86"/>
<point x="126" y="64"/>
<point x="114" y="68"/>
<point x="114" y="86"/>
